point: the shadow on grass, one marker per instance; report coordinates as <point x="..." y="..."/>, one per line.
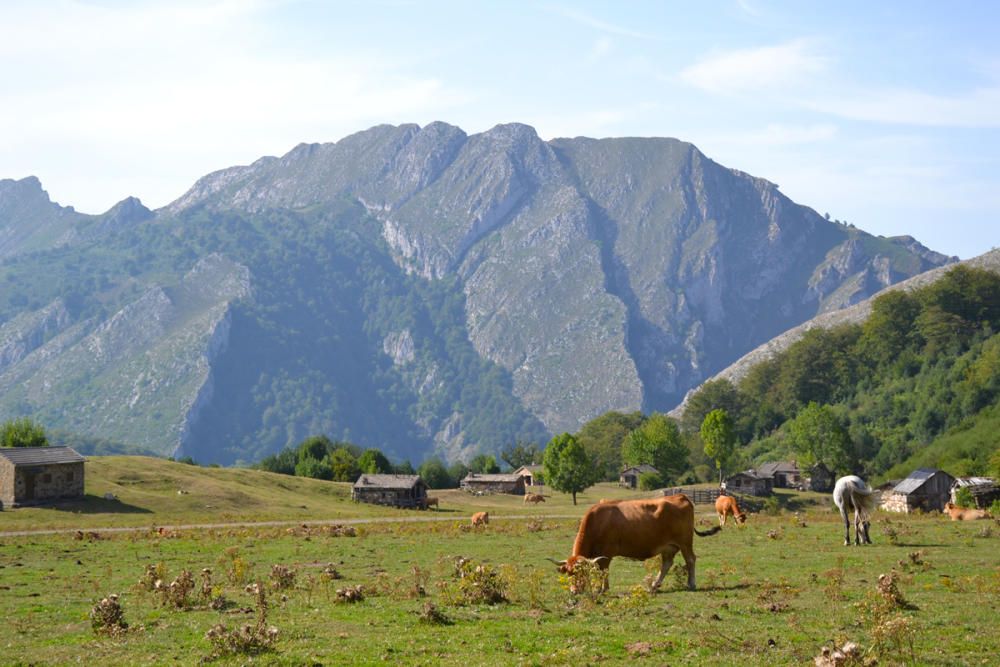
<point x="96" y="505"/>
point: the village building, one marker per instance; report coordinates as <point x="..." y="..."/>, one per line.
<point x="821" y="479"/>
<point x="984" y="490"/>
<point x="37" y="475"/>
<point x="482" y="483"/>
<point x="395" y="490"/>
<point x="926" y="489"/>
<point x="748" y="483"/>
<point x="783" y="474"/>
<point x="630" y="476"/>
<point x="533" y="474"/>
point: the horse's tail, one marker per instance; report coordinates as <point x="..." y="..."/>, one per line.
<point x="864" y="499"/>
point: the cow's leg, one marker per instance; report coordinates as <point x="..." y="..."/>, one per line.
<point x="689" y="559"/>
<point x="666" y="560"/>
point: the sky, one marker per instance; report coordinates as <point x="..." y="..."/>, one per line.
<point x="885" y="115"/>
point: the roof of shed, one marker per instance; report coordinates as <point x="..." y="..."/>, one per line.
<point x="771" y="467"/>
<point x="491" y="478"/>
<point x="916" y="479"/>
<point x="33" y="456"/>
<point x="644" y="468"/>
<point x="388" y="481"/>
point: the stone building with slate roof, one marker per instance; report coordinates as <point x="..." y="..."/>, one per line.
<point x="37" y="475"/>
<point x="481" y="483"/>
<point x="396" y="490"/>
<point x="926" y="489"/>
<point x="630" y="476"/>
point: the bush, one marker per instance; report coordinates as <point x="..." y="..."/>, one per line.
<point x="650" y="481"/>
<point x="107" y="617"/>
<point x="963" y="497"/>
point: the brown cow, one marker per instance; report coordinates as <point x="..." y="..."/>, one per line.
<point x="534" y="498"/>
<point x="638" y="529"/>
<point x="481" y="519"/>
<point x="726" y="505"/>
<point x="431" y="500"/>
<point x="961" y="514"/>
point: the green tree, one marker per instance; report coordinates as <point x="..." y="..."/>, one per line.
<point x="310" y="467"/>
<point x="315" y="447"/>
<point x="567" y="466"/>
<point x="22" y="432"/>
<point x="650" y="481"/>
<point x="603" y="437"/>
<point x="657" y="442"/>
<point x="373" y="462"/>
<point x="457" y="472"/>
<point x="344" y="465"/>
<point x="719" y="438"/>
<point x="404" y="468"/>
<point x="484" y="464"/>
<point x="521" y="454"/>
<point x="712" y="395"/>
<point x="817" y="435"/>
<point x="434" y="474"/>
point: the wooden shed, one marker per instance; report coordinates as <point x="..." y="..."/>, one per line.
<point x="396" y="490"/>
<point x="36" y="475"/>
<point x="984" y="490"/>
<point x="926" y="489"/>
<point x="748" y="483"/>
<point x="483" y="483"/>
<point x="783" y="474"/>
<point x="630" y="476"/>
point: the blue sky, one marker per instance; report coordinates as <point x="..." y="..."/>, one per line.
<point x="886" y="115"/>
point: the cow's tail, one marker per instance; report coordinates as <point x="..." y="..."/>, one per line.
<point x="710" y="531"/>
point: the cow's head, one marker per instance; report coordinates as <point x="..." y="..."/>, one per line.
<point x="570" y="567"/>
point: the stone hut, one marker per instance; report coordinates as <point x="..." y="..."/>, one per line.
<point x="748" y="483"/>
<point x="395" y="490"/>
<point x="821" y="479"/>
<point x="37" y="475"/>
<point x="483" y="483"/>
<point x="926" y="489"/>
<point x="783" y="474"/>
<point x="630" y="476"/>
<point x="532" y="474"/>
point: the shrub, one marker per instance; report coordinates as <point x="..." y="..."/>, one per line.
<point x="650" y="481"/>
<point x="247" y="639"/>
<point x="282" y="577"/>
<point x="107" y="617"/>
<point x="963" y="497"/>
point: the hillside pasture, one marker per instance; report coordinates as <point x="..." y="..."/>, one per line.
<point x="773" y="592"/>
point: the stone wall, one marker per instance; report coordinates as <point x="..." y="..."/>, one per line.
<point x="38" y="484"/>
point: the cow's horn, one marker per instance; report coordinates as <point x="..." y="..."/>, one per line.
<point x="560" y="563"/>
<point x="596" y="561"/>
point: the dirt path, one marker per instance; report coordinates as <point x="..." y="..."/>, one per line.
<point x="269" y="524"/>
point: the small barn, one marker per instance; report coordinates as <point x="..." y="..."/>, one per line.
<point x="748" y="483"/>
<point x="630" y="476"/>
<point x="984" y="490"/>
<point x="783" y="474"/>
<point x="821" y="479"/>
<point x="483" y="483"/>
<point x="37" y="475"/>
<point x="926" y="489"/>
<point x="533" y="474"/>
<point x="395" y="490"/>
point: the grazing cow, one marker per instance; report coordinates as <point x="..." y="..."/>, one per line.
<point x="637" y="529"/>
<point x="962" y="514"/>
<point x="851" y="493"/>
<point x="726" y="505"/>
<point x="534" y="498"/>
<point x="431" y="500"/>
<point x="481" y="519"/>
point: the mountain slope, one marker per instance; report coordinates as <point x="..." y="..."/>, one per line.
<point x="424" y="290"/>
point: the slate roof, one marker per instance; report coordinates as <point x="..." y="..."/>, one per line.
<point x="916" y="479"/>
<point x="770" y="468"/>
<point x="33" y="456"/>
<point x="491" y="478"/>
<point x="641" y="469"/>
<point x="387" y="481"/>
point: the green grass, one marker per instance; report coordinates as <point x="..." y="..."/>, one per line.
<point x="772" y="592"/>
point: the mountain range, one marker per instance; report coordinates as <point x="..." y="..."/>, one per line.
<point x="417" y="289"/>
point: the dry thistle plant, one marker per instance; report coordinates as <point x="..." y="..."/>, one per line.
<point x="247" y="639"/>
<point x="108" y="618"/>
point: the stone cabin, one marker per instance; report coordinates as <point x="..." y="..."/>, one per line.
<point x="483" y="483"/>
<point x="532" y="474"/>
<point x="926" y="489"/>
<point x="396" y="490"/>
<point x="821" y="479"/>
<point x="37" y="475"/>
<point x="783" y="474"/>
<point x="749" y="484"/>
<point x="629" y="477"/>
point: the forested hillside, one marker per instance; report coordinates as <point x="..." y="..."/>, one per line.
<point x="917" y="383"/>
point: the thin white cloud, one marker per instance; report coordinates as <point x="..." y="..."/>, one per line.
<point x="777" y="134"/>
<point x="753" y="70"/>
<point x="603" y="26"/>
<point x="978" y="108"/>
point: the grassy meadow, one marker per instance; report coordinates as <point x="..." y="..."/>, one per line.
<point x="773" y="592"/>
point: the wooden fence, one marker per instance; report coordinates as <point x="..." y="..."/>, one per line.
<point x="699" y="496"/>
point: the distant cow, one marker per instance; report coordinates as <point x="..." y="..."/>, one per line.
<point x="961" y="514"/>
<point x="534" y="498"/>
<point x="481" y="519"/>
<point x="431" y="500"/>
<point x="725" y="506"/>
<point x="638" y="529"/>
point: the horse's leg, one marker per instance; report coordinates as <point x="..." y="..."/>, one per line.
<point x="847" y="526"/>
<point x="857" y="525"/>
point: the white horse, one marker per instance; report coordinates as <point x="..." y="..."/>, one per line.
<point x="851" y="493"/>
